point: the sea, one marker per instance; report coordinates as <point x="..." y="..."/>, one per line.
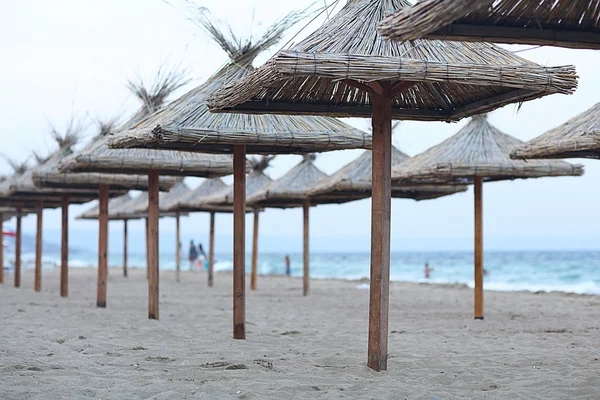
<point x="569" y="271"/>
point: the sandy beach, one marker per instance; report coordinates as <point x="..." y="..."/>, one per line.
<point x="531" y="346"/>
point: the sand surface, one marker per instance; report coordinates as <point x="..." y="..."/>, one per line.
<point x="531" y="346"/>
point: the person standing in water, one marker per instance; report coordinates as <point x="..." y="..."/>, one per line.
<point x="427" y="271"/>
<point x="288" y="267"/>
<point x="192" y="255"/>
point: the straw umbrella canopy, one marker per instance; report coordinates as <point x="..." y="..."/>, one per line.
<point x="577" y="138"/>
<point x="188" y="124"/>
<point x="566" y="23"/>
<point x="290" y="191"/>
<point x="354" y="182"/>
<point x="346" y="68"/>
<point x="477" y="153"/>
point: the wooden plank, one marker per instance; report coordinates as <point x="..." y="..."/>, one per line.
<point x="1" y="248"/>
<point x="211" y="246"/>
<point x="18" y="241"/>
<point x="478" y="247"/>
<point x="306" y="250"/>
<point x="515" y="35"/>
<point x="350" y="111"/>
<point x="64" y="248"/>
<point x="239" y="242"/>
<point x="153" y="215"/>
<point x="254" y="252"/>
<point x="102" y="245"/>
<point x="177" y="246"/>
<point x="38" y="248"/>
<point x="380" y="231"/>
<point x="125" y="272"/>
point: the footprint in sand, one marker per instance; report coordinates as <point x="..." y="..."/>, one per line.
<point x="160" y="359"/>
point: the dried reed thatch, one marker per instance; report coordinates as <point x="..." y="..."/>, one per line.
<point x="187" y="124"/>
<point x="255" y="181"/>
<point x="194" y="201"/>
<point x="291" y="189"/>
<point x="566" y="23"/>
<point x="354" y="182"/>
<point x="477" y="150"/>
<point x="577" y="138"/>
<point x="113" y="207"/>
<point x="98" y="157"/>
<point x="48" y="174"/>
<point x="332" y="70"/>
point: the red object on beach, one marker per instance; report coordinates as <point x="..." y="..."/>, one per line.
<point x="9" y="233"/>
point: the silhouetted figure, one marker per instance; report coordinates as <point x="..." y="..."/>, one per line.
<point x="288" y="267"/>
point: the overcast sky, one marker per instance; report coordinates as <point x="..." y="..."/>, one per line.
<point x="72" y="56"/>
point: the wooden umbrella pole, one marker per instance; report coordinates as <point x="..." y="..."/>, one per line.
<point x="177" y="247"/>
<point x="380" y="229"/>
<point x="38" y="248"/>
<point x="147" y="251"/>
<point x="125" y="272"/>
<point x="239" y="245"/>
<point x="254" y="252"/>
<point x="102" y="245"/>
<point x="18" y="248"/>
<point x="211" y="256"/>
<point x="153" y="245"/>
<point x="306" y="250"/>
<point x="64" y="250"/>
<point x="478" y="248"/>
<point x="1" y="248"/>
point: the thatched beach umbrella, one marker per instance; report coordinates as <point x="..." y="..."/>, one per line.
<point x="97" y="157"/>
<point x="24" y="186"/>
<point x="289" y="191"/>
<point x="354" y="182"/>
<point x="187" y="124"/>
<point x="347" y="69"/>
<point x="566" y="23"/>
<point x="577" y="138"/>
<point x="479" y="152"/>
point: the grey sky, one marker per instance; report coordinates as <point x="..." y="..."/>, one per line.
<point x="70" y="56"/>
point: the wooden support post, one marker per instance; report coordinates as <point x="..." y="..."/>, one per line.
<point x="211" y="249"/>
<point x="380" y="230"/>
<point x="239" y="245"/>
<point x="64" y="249"/>
<point x="1" y="248"/>
<point x="153" y="245"/>
<point x="38" y="248"/>
<point x="125" y="272"/>
<point x="18" y="247"/>
<point x="478" y="247"/>
<point x="254" y="252"/>
<point x="147" y="251"/>
<point x="177" y="246"/>
<point x="102" y="245"/>
<point x="306" y="250"/>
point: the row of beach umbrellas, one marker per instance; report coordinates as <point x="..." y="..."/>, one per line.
<point x="346" y="68"/>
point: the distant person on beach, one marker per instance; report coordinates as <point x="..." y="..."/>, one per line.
<point x="288" y="267"/>
<point x="202" y="259"/>
<point x="428" y="270"/>
<point x="192" y="255"/>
